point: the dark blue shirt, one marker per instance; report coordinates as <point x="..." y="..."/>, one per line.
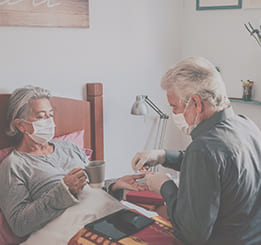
<point x="219" y="196"/>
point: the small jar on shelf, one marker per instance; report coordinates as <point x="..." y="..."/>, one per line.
<point x="247" y="89"/>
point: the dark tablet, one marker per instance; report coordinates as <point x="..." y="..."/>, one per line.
<point x="120" y="224"/>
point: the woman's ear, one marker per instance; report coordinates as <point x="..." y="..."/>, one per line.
<point x="197" y="102"/>
<point x="19" y="125"/>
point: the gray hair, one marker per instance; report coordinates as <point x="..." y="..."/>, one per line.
<point x="197" y="76"/>
<point x="18" y="106"/>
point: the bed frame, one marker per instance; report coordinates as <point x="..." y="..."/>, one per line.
<point x="71" y="115"/>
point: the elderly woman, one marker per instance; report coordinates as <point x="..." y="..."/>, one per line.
<point x="41" y="178"/>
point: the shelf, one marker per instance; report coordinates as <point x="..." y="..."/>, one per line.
<point x="239" y="100"/>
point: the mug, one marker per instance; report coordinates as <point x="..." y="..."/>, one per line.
<point x="95" y="171"/>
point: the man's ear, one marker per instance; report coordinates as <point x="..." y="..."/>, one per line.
<point x="197" y="102"/>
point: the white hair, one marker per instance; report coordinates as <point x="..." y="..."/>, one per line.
<point x="197" y="76"/>
<point x="18" y="106"/>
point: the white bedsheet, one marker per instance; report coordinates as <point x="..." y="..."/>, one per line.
<point x="94" y="204"/>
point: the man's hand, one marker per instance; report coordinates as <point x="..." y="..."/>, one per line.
<point x="75" y="180"/>
<point x="155" y="181"/>
<point x="128" y="182"/>
<point x="150" y="158"/>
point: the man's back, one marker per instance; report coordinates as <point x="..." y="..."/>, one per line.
<point x="235" y="143"/>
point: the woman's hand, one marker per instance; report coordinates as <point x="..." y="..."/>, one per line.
<point x="75" y="180"/>
<point x="128" y="182"/>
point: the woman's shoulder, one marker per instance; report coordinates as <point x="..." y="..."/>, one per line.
<point x="61" y="143"/>
<point x="64" y="144"/>
<point x="11" y="161"/>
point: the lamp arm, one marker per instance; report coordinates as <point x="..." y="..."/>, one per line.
<point x="155" y="108"/>
<point x="163" y="131"/>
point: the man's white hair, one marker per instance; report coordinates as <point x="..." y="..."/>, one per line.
<point x="197" y="76"/>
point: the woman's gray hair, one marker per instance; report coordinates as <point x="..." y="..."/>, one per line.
<point x="18" y="106"/>
<point x="197" y="76"/>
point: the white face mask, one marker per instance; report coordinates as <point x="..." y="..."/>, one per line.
<point x="43" y="130"/>
<point x="181" y="122"/>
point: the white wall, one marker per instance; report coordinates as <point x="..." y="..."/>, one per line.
<point x="220" y="36"/>
<point x="128" y="47"/>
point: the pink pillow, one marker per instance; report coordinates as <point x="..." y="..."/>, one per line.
<point x="88" y="152"/>
<point x="7" y="237"/>
<point x="76" y="137"/>
<point x="4" y="152"/>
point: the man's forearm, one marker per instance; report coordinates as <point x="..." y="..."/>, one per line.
<point x="174" y="159"/>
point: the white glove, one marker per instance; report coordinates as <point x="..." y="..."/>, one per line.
<point x="155" y="181"/>
<point x="150" y="158"/>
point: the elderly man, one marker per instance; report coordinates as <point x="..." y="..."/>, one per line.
<point x="219" y="195"/>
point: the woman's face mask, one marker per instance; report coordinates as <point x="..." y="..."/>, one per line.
<point x="181" y="122"/>
<point x="43" y="130"/>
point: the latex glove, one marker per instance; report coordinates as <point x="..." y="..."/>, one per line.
<point x="128" y="182"/>
<point x="156" y="180"/>
<point x="150" y="158"/>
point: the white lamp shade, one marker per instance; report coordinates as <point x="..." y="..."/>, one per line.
<point x="139" y="107"/>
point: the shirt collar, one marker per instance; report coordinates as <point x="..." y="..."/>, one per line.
<point x="209" y="123"/>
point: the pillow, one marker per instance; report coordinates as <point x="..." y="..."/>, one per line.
<point x="7" y="237"/>
<point x="76" y="137"/>
<point x="88" y="152"/>
<point x="4" y="152"/>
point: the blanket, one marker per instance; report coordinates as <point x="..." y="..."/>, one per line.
<point x="94" y="204"/>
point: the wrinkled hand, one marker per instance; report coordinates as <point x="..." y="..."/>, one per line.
<point x="150" y="158"/>
<point x="128" y="182"/>
<point x="155" y="181"/>
<point x="75" y="180"/>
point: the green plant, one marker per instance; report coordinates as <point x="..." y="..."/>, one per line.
<point x="255" y="33"/>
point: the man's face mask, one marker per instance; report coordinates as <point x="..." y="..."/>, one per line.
<point x="43" y="130"/>
<point x="181" y="122"/>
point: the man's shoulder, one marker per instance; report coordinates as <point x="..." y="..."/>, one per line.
<point x="227" y="138"/>
<point x="216" y="143"/>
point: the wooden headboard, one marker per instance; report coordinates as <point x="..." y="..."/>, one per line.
<point x="71" y="115"/>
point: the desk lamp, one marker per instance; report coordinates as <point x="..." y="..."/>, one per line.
<point x="140" y="108"/>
